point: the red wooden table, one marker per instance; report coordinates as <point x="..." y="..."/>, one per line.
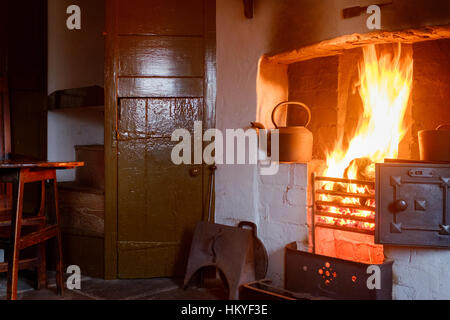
<point x="14" y="174"/>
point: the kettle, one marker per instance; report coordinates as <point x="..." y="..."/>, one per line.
<point x="295" y="142"/>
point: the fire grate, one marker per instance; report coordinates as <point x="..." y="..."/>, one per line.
<point x="328" y="277"/>
<point x="329" y="210"/>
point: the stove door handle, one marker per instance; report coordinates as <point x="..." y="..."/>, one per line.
<point x="400" y="205"/>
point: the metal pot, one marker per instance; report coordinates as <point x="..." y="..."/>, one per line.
<point x="296" y="142"/>
<point x="435" y="144"/>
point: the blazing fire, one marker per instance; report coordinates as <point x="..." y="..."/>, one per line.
<point x="384" y="87"/>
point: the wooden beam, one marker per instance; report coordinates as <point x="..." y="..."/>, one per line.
<point x="338" y="45"/>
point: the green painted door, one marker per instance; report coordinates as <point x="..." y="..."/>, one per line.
<point x="162" y="63"/>
<point x="159" y="203"/>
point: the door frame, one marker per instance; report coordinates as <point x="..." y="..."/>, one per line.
<point x="111" y="118"/>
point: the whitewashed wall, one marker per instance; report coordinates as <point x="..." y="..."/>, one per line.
<point x="419" y="273"/>
<point x="275" y="203"/>
<point x="69" y="128"/>
<point x="75" y="60"/>
<point x="75" y="57"/>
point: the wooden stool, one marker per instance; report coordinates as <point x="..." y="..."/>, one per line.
<point x="18" y="174"/>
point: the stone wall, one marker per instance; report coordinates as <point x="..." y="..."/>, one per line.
<point x="431" y="89"/>
<point x="282" y="204"/>
<point x="315" y="83"/>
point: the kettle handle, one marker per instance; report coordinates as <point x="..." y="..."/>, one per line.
<point x="443" y="126"/>
<point x="295" y="103"/>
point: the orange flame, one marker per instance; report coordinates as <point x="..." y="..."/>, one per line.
<point x="385" y="87"/>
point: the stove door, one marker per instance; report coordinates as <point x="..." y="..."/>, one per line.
<point x="412" y="205"/>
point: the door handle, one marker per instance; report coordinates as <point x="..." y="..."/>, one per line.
<point x="400" y="205"/>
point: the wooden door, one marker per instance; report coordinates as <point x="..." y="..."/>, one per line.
<point x="160" y="77"/>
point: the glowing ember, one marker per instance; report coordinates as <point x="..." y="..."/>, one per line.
<point x="385" y="86"/>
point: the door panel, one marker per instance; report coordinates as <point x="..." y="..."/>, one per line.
<point x="133" y="118"/>
<point x="155" y="192"/>
<point x="160" y="17"/>
<point x="159" y="203"/>
<point x="157" y="118"/>
<point x="167" y="115"/>
<point x="161" y="56"/>
<point x="160" y="87"/>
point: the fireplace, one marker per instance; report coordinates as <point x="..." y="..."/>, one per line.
<point x="356" y="215"/>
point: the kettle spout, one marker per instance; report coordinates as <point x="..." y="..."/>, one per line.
<point x="258" y="125"/>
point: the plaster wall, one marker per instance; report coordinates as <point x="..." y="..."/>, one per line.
<point x="75" y="60"/>
<point x="75" y="57"/>
<point x="241" y="194"/>
<point x="69" y="128"/>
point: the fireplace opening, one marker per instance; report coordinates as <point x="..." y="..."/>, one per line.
<point x="369" y="96"/>
<point x="344" y="193"/>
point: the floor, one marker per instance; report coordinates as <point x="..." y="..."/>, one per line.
<point x="99" y="289"/>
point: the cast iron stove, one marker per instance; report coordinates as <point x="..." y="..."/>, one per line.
<point x="412" y="204"/>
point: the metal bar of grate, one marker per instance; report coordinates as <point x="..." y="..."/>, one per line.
<point x="344" y="205"/>
<point x="349" y="181"/>
<point x="344" y="216"/>
<point x="342" y="228"/>
<point x="317" y="211"/>
<point x="346" y="194"/>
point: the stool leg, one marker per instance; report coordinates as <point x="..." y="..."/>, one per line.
<point x="59" y="257"/>
<point x="42" y="268"/>
<point x="14" y="250"/>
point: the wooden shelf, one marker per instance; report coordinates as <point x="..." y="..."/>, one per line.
<point x="87" y="108"/>
<point x="78" y="98"/>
